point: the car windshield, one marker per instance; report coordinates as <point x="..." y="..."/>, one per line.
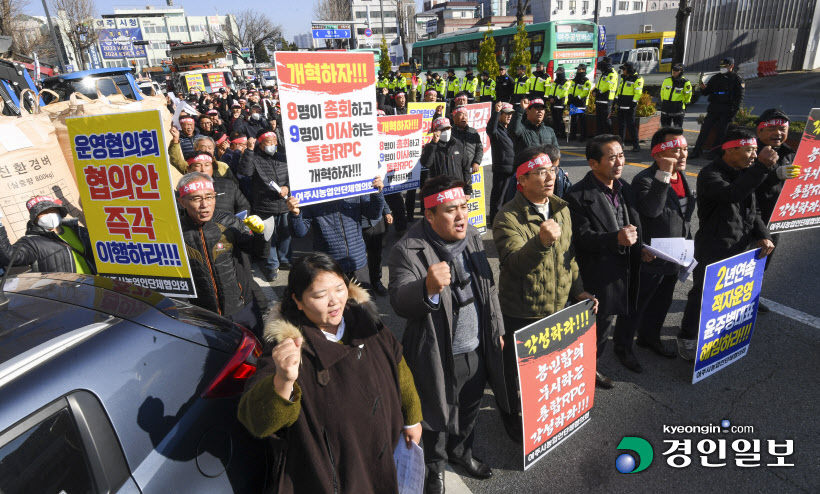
<point x="88" y="86"/>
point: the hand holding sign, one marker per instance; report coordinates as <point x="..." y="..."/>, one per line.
<point x="293" y="205"/>
<point x="766" y="247"/>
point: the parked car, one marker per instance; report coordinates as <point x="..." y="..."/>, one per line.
<point x="149" y="87"/>
<point x="110" y="387"/>
<point x="88" y="82"/>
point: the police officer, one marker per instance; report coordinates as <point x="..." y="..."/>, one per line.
<point x="430" y="82"/>
<point x="391" y="82"/>
<point x="401" y="83"/>
<point x="503" y="86"/>
<point x="383" y="81"/>
<point x="441" y="86"/>
<point x="559" y="90"/>
<point x="453" y="85"/>
<point x="522" y="86"/>
<point x="470" y="85"/>
<point x="676" y="93"/>
<point x="725" y="91"/>
<point x="629" y="92"/>
<point x="541" y="82"/>
<point x="605" y="96"/>
<point x="487" y="88"/>
<point x="579" y="90"/>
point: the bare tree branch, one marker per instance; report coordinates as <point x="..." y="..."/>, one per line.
<point x="333" y="10"/>
<point x="29" y="37"/>
<point x="9" y="9"/>
<point x="77" y="18"/>
<point x="252" y="28"/>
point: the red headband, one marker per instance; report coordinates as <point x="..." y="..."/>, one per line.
<point x="739" y="143"/>
<point x="460" y="109"/>
<point x="186" y="119"/>
<point x="443" y="197"/>
<point x="200" y="158"/>
<point x="678" y="142"/>
<point x="265" y="136"/>
<point x="542" y="161"/>
<point x="240" y="140"/>
<point x="202" y="185"/>
<point x="34" y="200"/>
<point x="429" y="91"/>
<point x="772" y="123"/>
<point x="222" y="139"/>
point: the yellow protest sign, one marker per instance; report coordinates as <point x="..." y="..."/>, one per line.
<point x="125" y="185"/>
<point x="476" y="211"/>
<point x="195" y="82"/>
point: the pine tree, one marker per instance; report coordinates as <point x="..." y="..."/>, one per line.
<point x="521" y="51"/>
<point x="486" y="55"/>
<point x="384" y="61"/>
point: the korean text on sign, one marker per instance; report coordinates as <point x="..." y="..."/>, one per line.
<point x="128" y="200"/>
<point x="731" y="293"/>
<point x="329" y="119"/>
<point x="556" y="373"/>
<point x="399" y="152"/>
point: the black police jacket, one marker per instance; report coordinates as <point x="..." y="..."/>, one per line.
<point x="726" y="92"/>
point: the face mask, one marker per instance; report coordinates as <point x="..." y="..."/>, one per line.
<point x="49" y="221"/>
<point x="256" y="116"/>
<point x="445" y="135"/>
<point x="270" y="149"/>
<point x="724" y="70"/>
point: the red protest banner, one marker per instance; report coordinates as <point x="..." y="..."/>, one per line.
<point x="798" y="206"/>
<point x="333" y="75"/>
<point x="478" y="114"/>
<point x="556" y="375"/>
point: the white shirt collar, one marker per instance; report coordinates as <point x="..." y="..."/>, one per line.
<point x="335" y="338"/>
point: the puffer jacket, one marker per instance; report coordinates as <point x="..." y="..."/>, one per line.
<point x="214" y="252"/>
<point x="264" y="169"/>
<point x="229" y="198"/>
<point x="448" y="158"/>
<point x="472" y="143"/>
<point x="524" y="134"/>
<point x="45" y="251"/>
<point x="340" y="228"/>
<point x="186" y="143"/>
<point x="535" y="281"/>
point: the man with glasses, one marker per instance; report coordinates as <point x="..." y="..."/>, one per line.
<point x="210" y="237"/>
<point x="539" y="274"/>
<point x="527" y="127"/>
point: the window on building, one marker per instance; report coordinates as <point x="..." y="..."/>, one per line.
<point x="360" y="14"/>
<point x="162" y="29"/>
<point x="559" y="5"/>
<point x="638" y="6"/>
<point x="572" y="4"/>
<point x="585" y="5"/>
<point x="389" y="13"/>
<point x="149" y="29"/>
<point x="623" y="5"/>
<point x="609" y="10"/>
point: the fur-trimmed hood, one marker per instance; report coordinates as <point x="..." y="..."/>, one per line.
<point x="277" y="328"/>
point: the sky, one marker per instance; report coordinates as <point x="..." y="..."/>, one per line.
<point x="293" y="15"/>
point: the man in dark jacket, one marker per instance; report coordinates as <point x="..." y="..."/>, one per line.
<point x="527" y="127"/>
<point x="214" y="240"/>
<point x="51" y="243"/>
<point x="373" y="233"/>
<point x="399" y="106"/>
<point x="442" y="283"/>
<point x="606" y="232"/>
<point x="502" y="150"/>
<point x="338" y="226"/>
<point x="538" y="273"/>
<point x="665" y="203"/>
<point x="772" y="130"/>
<point x="503" y="86"/>
<point x="445" y="155"/>
<point x="270" y="189"/>
<point x="729" y="221"/>
<point x="469" y="136"/>
<point x="187" y="134"/>
<point x="255" y="123"/>
<point x="726" y="91"/>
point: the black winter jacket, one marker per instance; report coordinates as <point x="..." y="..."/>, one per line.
<point x="726" y="92"/>
<point x="502" y="146"/>
<point x="265" y="168"/>
<point x="448" y="158"/>
<point x="229" y="198"/>
<point x="768" y="192"/>
<point x="44" y="251"/>
<point x="472" y="143"/>
<point x="214" y="252"/>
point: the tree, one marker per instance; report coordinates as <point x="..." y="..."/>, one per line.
<point x="384" y="61"/>
<point x="404" y="11"/>
<point x="261" y="52"/>
<point x="9" y="9"/>
<point x="332" y="10"/>
<point x="77" y="20"/>
<point x="681" y="19"/>
<point x="521" y="50"/>
<point x="252" y="28"/>
<point x="521" y="9"/>
<point x="28" y="40"/>
<point x="486" y="56"/>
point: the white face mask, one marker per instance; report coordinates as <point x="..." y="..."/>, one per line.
<point x="49" y="221"/>
<point x="724" y="70"/>
<point x="256" y="116"/>
<point x="270" y="149"/>
<point x="445" y="135"/>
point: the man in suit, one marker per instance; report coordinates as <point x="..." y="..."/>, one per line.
<point x="606" y="232"/>
<point x="665" y="204"/>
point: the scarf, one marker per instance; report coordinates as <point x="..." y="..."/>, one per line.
<point x="448" y="252"/>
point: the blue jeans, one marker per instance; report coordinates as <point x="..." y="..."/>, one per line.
<point x="279" y="243"/>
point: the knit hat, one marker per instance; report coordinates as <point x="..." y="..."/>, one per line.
<point x="37" y="204"/>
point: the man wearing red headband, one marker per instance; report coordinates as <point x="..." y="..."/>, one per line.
<point x="772" y="130"/>
<point x="444" y="155"/>
<point x="442" y="283"/>
<point x="665" y="203"/>
<point x="527" y="127"/>
<point x="188" y="133"/>
<point x="469" y="136"/>
<point x="606" y="234"/>
<point x="222" y="285"/>
<point x="176" y="154"/>
<point x="729" y="222"/>
<point x="538" y="274"/>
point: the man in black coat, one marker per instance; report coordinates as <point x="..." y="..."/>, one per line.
<point x="725" y="91"/>
<point x="772" y="130"/>
<point x="665" y="204"/>
<point x="729" y="221"/>
<point x="446" y="155"/>
<point x="270" y="189"/>
<point x="503" y="86"/>
<point x="469" y="136"/>
<point x="222" y="285"/>
<point x="606" y="231"/>
<point x="503" y="153"/>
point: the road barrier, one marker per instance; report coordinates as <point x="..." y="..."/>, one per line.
<point x="748" y="70"/>
<point x="767" y="68"/>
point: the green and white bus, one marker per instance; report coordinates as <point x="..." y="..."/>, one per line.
<point x="566" y="44"/>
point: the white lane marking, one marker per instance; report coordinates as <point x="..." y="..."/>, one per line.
<point x="794" y="314"/>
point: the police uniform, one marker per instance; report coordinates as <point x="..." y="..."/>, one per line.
<point x="605" y="96"/>
<point x="579" y="90"/>
<point x="541" y="82"/>
<point x="487" y="89"/>
<point x="441" y="88"/>
<point x="676" y="93"/>
<point x="504" y="88"/>
<point x="629" y="92"/>
<point x="558" y="94"/>
<point x="470" y="85"/>
<point x="725" y="93"/>
<point x="453" y="86"/>
<point x="522" y="88"/>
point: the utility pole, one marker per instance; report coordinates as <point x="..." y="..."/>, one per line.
<point x="595" y="12"/>
<point x="54" y="39"/>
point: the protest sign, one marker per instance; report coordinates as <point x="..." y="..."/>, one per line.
<point x="477" y="214"/>
<point x="128" y="200"/>
<point x="731" y="293"/>
<point x="426" y="110"/>
<point x="798" y="206"/>
<point x="195" y="82"/>
<point x="478" y="114"/>
<point x="556" y="375"/>
<point x="329" y="119"/>
<point x="216" y="81"/>
<point x="399" y="152"/>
